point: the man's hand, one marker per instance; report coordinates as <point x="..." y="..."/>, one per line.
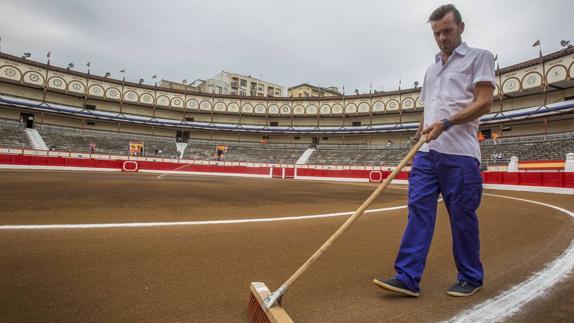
<point x="433" y="131"/>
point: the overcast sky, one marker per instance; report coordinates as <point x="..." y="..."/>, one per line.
<point x="327" y="43"/>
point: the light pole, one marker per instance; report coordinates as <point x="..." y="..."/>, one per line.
<point x="184" y="82"/>
<point x="46" y="78"/>
<point x="154" y="94"/>
<point x="122" y="92"/>
<point x="544" y="82"/>
<point x="87" y="85"/>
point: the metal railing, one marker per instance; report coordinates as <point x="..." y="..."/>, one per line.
<point x="247" y="144"/>
<point x="529" y="139"/>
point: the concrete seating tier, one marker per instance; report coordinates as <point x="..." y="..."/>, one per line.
<point x="13" y="135"/>
<point x="114" y="143"/>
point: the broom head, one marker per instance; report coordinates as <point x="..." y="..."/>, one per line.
<point x="258" y="312"/>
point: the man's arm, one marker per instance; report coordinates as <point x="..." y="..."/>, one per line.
<point x="480" y="106"/>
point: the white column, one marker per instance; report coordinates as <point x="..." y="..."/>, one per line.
<point x="513" y="165"/>
<point x="569" y="165"/>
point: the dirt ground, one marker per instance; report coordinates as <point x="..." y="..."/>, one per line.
<point x="201" y="273"/>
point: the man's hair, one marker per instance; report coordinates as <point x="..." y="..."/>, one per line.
<point x="441" y="11"/>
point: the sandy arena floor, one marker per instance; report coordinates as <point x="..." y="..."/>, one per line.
<point x="201" y="273"/>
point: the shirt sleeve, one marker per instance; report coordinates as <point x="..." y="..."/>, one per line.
<point x="483" y="69"/>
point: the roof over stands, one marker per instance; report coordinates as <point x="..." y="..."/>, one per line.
<point x="66" y="110"/>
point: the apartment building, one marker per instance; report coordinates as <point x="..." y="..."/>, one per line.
<point x="237" y="84"/>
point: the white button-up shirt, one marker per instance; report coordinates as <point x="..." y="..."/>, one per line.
<point x="448" y="89"/>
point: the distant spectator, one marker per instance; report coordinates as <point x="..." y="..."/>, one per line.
<point x="221" y="150"/>
<point x="480" y="137"/>
<point x="494" y="137"/>
<point x="389" y="143"/>
<point x="92" y="148"/>
<point x="496" y="156"/>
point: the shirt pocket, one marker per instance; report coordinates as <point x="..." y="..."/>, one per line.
<point x="456" y="87"/>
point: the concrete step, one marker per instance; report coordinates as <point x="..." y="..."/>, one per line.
<point x="36" y="139"/>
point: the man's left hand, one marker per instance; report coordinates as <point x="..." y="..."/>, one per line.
<point x="433" y="131"/>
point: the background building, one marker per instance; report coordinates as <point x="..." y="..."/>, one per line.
<point x="306" y="90"/>
<point x="178" y="86"/>
<point x="237" y="84"/>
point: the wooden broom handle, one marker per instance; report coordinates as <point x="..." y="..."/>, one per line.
<point x="355" y="215"/>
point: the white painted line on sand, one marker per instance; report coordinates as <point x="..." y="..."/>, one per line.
<point x="184" y="223"/>
<point x="525" y="188"/>
<point x="511" y="301"/>
<point x="176" y="170"/>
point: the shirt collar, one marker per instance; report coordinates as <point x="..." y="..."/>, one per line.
<point x="462" y="49"/>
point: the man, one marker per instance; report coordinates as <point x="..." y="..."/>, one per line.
<point x="457" y="90"/>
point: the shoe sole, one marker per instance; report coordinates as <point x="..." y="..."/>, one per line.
<point x="395" y="289"/>
<point x="455" y="294"/>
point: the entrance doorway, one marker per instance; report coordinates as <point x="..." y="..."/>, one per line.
<point x="27" y="119"/>
<point x="182" y="136"/>
<point x="314" y="141"/>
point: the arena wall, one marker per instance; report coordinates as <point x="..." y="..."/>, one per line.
<point x="555" y="182"/>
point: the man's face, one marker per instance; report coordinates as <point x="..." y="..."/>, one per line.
<point x="447" y="33"/>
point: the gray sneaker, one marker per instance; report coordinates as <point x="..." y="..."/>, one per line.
<point x="462" y="288"/>
<point x="395" y="285"/>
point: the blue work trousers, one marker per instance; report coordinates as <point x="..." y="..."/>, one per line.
<point x="458" y="180"/>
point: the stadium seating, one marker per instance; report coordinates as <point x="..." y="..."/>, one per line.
<point x="200" y="151"/>
<point x="113" y="143"/>
<point x="266" y="154"/>
<point x="246" y="152"/>
<point x="358" y="155"/>
<point x="540" y="147"/>
<point x="12" y="135"/>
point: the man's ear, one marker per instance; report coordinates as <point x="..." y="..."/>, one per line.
<point x="461" y="26"/>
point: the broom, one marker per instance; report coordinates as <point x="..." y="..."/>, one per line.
<point x="265" y="306"/>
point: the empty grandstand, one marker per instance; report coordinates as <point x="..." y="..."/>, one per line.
<point x="531" y="118"/>
<point x="541" y="147"/>
<point x="12" y="134"/>
<point x="106" y="142"/>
